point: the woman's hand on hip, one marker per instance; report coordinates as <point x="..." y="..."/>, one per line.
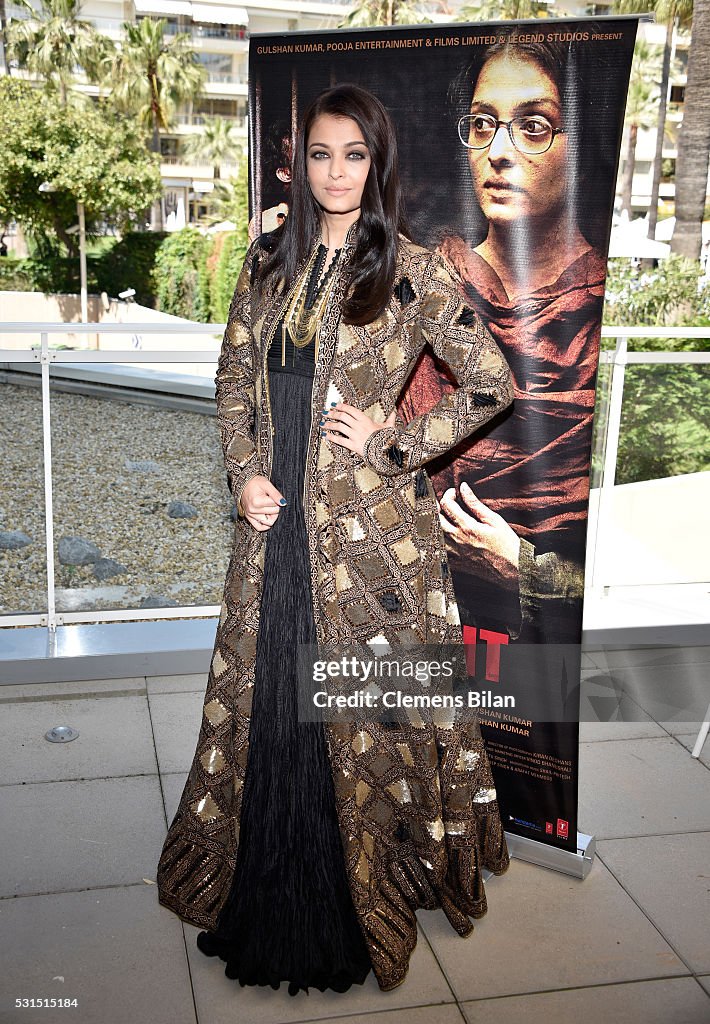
<point x="261" y="502"/>
<point x="350" y="427"/>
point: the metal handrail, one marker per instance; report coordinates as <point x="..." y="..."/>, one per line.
<point x="617" y="358"/>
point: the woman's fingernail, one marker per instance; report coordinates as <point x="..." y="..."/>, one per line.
<point x="333" y="403"/>
<point x="322" y="433"/>
<point x="282" y="501"/>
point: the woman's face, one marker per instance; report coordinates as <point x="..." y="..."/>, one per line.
<point x="337" y="162"/>
<point x="510" y="184"/>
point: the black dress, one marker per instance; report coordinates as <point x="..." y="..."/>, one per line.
<point x="289" y="914"/>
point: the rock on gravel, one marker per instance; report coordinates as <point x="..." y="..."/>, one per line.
<point x="99" y="496"/>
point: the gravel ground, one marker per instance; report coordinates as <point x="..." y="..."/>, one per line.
<point x="123" y="511"/>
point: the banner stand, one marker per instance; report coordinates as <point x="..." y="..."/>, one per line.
<point x="578" y="864"/>
<point x="493" y="203"/>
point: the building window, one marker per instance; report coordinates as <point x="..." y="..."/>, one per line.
<point x="677" y="93"/>
<point x="219" y="66"/>
<point x="199" y="210"/>
<point x="212" y="30"/>
<point x="233" y="110"/>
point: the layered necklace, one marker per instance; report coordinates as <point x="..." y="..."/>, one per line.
<point x="303" y="315"/>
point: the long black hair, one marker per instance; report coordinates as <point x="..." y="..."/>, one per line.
<point x="372" y="264"/>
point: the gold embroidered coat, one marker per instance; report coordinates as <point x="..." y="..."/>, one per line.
<point x="416" y="805"/>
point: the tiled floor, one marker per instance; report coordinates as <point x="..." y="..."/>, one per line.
<point x="83" y="825"/>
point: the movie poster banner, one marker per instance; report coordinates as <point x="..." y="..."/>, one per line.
<point x="509" y="137"/>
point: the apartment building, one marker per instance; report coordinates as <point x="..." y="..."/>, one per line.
<point x="655" y="35"/>
<point x="220" y="36"/>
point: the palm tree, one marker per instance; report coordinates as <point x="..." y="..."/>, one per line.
<point x="149" y="76"/>
<point x="216" y="144"/>
<point x="231" y="198"/>
<point x="53" y="42"/>
<point x="641" y="101"/>
<point x="384" y="12"/>
<point x="671" y="13"/>
<point x="3" y="26"/>
<point x="694" y="145"/>
<point x="502" y="10"/>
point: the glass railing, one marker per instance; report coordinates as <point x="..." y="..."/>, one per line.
<point x="115" y="503"/>
<point x="240" y="123"/>
<point x="650" y="460"/>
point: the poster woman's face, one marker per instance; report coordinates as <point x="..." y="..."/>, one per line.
<point x="338" y="162"/>
<point x="510" y="184"/>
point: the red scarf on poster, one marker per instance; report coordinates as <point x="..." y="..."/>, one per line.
<point x="532" y="464"/>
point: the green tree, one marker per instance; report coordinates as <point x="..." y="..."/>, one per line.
<point x="53" y="42"/>
<point x="91" y="156"/>
<point x="672" y="295"/>
<point x="216" y="144"/>
<point x="641" y="101"/>
<point x="149" y="76"/>
<point x="672" y="14"/>
<point x="694" y="144"/>
<point x="231" y="200"/>
<point x="503" y="10"/>
<point x="665" y="415"/>
<point x="368" y="13"/>
<point x="180" y="274"/>
<point x="224" y="264"/>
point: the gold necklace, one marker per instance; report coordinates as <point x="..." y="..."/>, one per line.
<point x="303" y="323"/>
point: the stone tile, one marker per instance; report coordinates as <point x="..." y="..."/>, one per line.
<point x="598" y="732"/>
<point x="641" y="787"/>
<point x="176" y="719"/>
<point x="546" y="930"/>
<point x="679" y="729"/>
<point x="642" y="1002"/>
<point x="115" y="738"/>
<point x="705" y="982"/>
<point x="669" y="877"/>
<point x="688" y="741"/>
<point x="668" y="693"/>
<point x="68" y="690"/>
<point x="119" y="952"/>
<point x="446" y="1013"/>
<point x="173" y="784"/>
<point x="75" y="835"/>
<point x="177" y="684"/>
<point x="606" y="715"/>
<point x="633" y="657"/>
<point x="217" y="996"/>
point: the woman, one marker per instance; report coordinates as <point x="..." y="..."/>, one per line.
<point x="515" y="496"/>
<point x="304" y="848"/>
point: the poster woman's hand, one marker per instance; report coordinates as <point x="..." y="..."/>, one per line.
<point x="261" y="502"/>
<point x="350" y="427"/>
<point x="477" y="532"/>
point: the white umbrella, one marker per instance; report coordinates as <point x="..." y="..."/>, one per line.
<point x="665" y="229"/>
<point x="223" y="225"/>
<point x="629" y="242"/>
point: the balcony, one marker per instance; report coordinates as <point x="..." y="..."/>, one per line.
<point x="195" y="120"/>
<point x="635" y="586"/>
<point x="102" y="439"/>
